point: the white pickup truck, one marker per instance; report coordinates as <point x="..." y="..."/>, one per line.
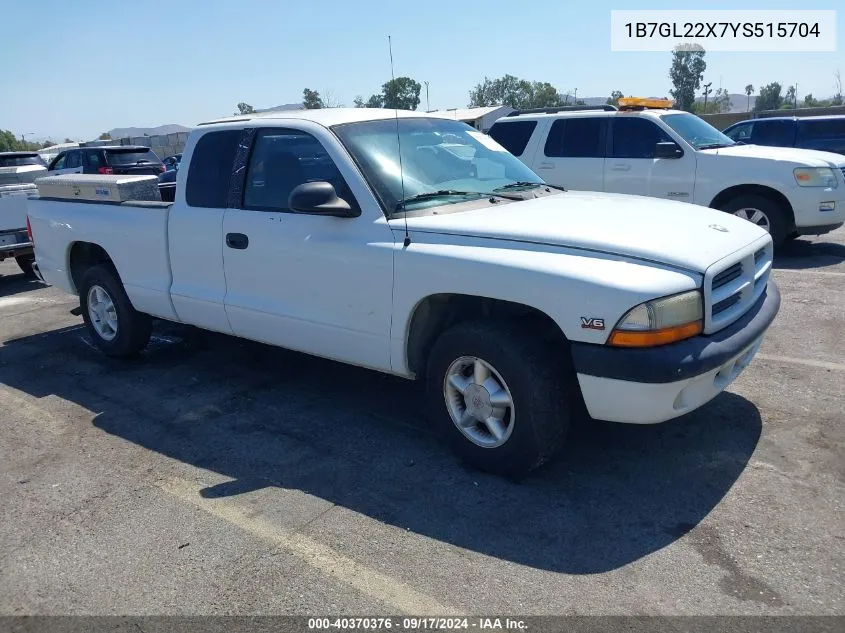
<point x="671" y="154"/>
<point x="518" y="303"/>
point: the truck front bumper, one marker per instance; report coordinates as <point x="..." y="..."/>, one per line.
<point x="818" y="211"/>
<point x="646" y="386"/>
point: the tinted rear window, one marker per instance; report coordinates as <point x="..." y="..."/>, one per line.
<point x="513" y="136"/>
<point x="130" y="157"/>
<point x="776" y="133"/>
<point x="576" y="137"/>
<point x="210" y="169"/>
<point x="21" y="160"/>
<point x="829" y="128"/>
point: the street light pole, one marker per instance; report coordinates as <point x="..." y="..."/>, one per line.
<point x="427" y="104"/>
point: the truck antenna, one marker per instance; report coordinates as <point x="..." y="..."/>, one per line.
<point x="399" y="146"/>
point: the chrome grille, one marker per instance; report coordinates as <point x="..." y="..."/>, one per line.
<point x="732" y="286"/>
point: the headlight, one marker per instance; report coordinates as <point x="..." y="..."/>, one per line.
<point x="660" y="321"/>
<point x="815" y="177"/>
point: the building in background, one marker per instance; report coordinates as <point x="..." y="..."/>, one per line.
<point x="479" y="118"/>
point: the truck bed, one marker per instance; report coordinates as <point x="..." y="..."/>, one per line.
<point x="134" y="233"/>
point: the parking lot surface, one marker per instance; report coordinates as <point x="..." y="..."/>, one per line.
<point x="218" y="476"/>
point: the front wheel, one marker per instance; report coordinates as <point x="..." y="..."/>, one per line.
<point x="499" y="398"/>
<point x="763" y="212"/>
<point x="116" y="328"/>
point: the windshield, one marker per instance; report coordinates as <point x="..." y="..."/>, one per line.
<point x="696" y="131"/>
<point x="20" y="160"/>
<point x="438" y="155"/>
<point x="131" y="157"/>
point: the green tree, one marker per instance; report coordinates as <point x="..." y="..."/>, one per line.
<point x="105" y="136"/>
<point x="245" y="108"/>
<point x="769" y="97"/>
<point x="69" y="140"/>
<point x="686" y="71"/>
<point x="791" y="99"/>
<point x="311" y="99"/>
<point x="375" y="101"/>
<point x="515" y="92"/>
<point x="720" y="102"/>
<point x="359" y="102"/>
<point x="749" y="90"/>
<point x="402" y="93"/>
<point x="614" y="97"/>
<point x="47" y="144"/>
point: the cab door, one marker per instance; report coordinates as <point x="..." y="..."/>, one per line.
<point x="313" y="283"/>
<point x="632" y="166"/>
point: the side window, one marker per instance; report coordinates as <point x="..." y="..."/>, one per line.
<point x="211" y="169"/>
<point x="576" y="138"/>
<point x="777" y="133"/>
<point x="59" y="162"/>
<point x="741" y="132"/>
<point x="74" y="159"/>
<point x="513" y="136"/>
<point x="94" y="160"/>
<point x="636" y="137"/>
<point x="823" y="129"/>
<point x="283" y="159"/>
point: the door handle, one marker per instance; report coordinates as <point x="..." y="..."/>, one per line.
<point x="237" y="240"/>
<point x="621" y="167"/>
<point x="546" y="166"/>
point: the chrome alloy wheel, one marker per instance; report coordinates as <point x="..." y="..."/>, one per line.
<point x="479" y="402"/>
<point x="102" y="312"/>
<point x="756" y="216"/>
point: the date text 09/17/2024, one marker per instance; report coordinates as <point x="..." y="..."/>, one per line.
<point x="417" y="623"/>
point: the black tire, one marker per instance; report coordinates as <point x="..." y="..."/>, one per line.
<point x="25" y="263"/>
<point x="537" y="379"/>
<point x="133" y="327"/>
<point x="779" y="219"/>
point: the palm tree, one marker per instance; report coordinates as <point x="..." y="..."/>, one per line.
<point x="748" y="90"/>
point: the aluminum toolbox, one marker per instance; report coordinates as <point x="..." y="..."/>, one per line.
<point x="99" y="187"/>
<point x="21" y="175"/>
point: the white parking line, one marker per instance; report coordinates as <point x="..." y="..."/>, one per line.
<point x="332" y="563"/>
<point x="809" y="362"/>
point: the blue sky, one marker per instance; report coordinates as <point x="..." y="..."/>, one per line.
<point x="79" y="68"/>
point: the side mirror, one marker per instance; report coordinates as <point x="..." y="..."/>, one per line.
<point x="667" y="149"/>
<point x="320" y="198"/>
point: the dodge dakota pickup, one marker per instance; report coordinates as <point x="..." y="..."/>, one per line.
<point x="418" y="246"/>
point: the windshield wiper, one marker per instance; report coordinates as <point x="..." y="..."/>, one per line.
<point x="525" y="183"/>
<point x="714" y="145"/>
<point x="445" y="193"/>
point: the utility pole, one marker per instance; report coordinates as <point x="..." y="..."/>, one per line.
<point x="796" y="95"/>
<point x="706" y="92"/>
<point x="427" y="104"/>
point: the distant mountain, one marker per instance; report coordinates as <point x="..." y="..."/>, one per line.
<point x="287" y="106"/>
<point x="123" y="132"/>
<point x="739" y="102"/>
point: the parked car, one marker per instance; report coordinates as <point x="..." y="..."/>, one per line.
<point x="825" y="133"/>
<point x="665" y="153"/>
<point x="107" y="159"/>
<point x="172" y="162"/>
<point x="167" y="184"/>
<point x="518" y="304"/>
<point x="21" y="159"/>
<point x="18" y="171"/>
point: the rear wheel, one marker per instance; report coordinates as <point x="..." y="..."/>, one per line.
<point x="116" y="328"/>
<point x="764" y="212"/>
<point x="499" y="398"/>
<point x="25" y="263"/>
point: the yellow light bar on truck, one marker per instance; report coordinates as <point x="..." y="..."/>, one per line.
<point x="644" y="102"/>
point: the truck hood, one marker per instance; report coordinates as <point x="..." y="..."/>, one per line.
<point x="673" y="233"/>
<point x="796" y="155"/>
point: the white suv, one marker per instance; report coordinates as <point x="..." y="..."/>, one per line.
<point x="673" y="154"/>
